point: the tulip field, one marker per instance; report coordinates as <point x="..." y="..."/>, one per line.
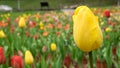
<point x="44" y="39"/>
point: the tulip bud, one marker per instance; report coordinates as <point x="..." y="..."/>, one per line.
<point x="35" y="37"/>
<point x="2" y="34"/>
<point x="86" y="31"/>
<point x="106" y="13"/>
<point x="107" y="37"/>
<point x="45" y="34"/>
<point x="17" y="62"/>
<point x="41" y="27"/>
<point x="44" y="49"/>
<point x="41" y="24"/>
<point x="67" y="61"/>
<point x="28" y="57"/>
<point x="22" y="23"/>
<point x="108" y="29"/>
<point x="53" y="47"/>
<point x="2" y="57"/>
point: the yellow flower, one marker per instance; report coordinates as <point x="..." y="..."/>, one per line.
<point x="28" y="57"/>
<point x="86" y="31"/>
<point x="41" y="24"/>
<point x="53" y="47"/>
<point x="2" y="34"/>
<point x="108" y="29"/>
<point x="41" y="27"/>
<point x="22" y="23"/>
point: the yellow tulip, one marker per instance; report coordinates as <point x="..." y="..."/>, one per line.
<point x="41" y="27"/>
<point x="108" y="29"/>
<point x="2" y="34"/>
<point x="28" y="57"/>
<point x="22" y="23"/>
<point x="53" y="47"/>
<point x="86" y="31"/>
<point x="41" y="24"/>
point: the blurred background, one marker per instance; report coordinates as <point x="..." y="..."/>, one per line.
<point x="55" y="4"/>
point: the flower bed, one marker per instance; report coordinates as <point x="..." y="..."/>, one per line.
<point x="45" y="40"/>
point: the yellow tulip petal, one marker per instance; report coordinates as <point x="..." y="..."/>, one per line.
<point x="53" y="47"/>
<point x="2" y="34"/>
<point x="22" y="22"/>
<point x="28" y="57"/>
<point x="86" y="31"/>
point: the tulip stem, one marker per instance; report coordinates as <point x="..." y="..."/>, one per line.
<point x="22" y="35"/>
<point x="1" y="66"/>
<point x="90" y="59"/>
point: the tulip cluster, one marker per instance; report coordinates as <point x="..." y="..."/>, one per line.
<point x="60" y="39"/>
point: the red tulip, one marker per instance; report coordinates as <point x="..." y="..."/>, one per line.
<point x="76" y="65"/>
<point x="44" y="49"/>
<point x="104" y="28"/>
<point x="27" y="34"/>
<point x="31" y="24"/>
<point x="49" y="57"/>
<point x="98" y="64"/>
<point x="114" y="49"/>
<point x="50" y="25"/>
<point x="104" y="64"/>
<point x="106" y="13"/>
<point x="35" y="37"/>
<point x="107" y="37"/>
<point x="67" y="27"/>
<point x="109" y="22"/>
<point x="113" y="24"/>
<point x="115" y="30"/>
<point x="12" y="28"/>
<point x="45" y="34"/>
<point x="84" y="60"/>
<point x="2" y="57"/>
<point x="17" y="62"/>
<point x="59" y="25"/>
<point x="58" y="33"/>
<point x="8" y="20"/>
<point x="67" y="61"/>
